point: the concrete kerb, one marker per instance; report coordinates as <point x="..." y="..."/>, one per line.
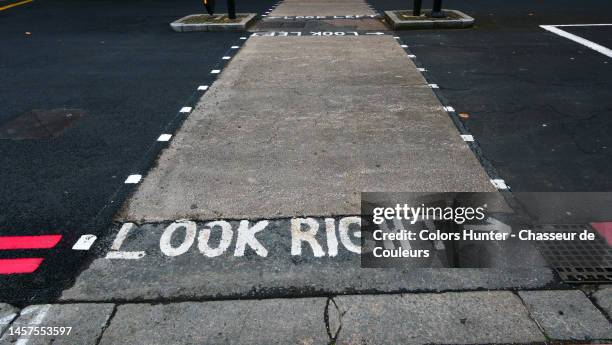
<point x="242" y="25"/>
<point x="464" y="21"/>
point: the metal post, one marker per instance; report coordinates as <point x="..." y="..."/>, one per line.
<point x="437" y="12"/>
<point x="231" y="9"/>
<point x="416" y="10"/>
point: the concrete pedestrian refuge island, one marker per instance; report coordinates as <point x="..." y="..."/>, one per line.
<point x="299" y="126"/>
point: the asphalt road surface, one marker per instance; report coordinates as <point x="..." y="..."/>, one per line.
<point x="115" y="77"/>
<point x="124" y="75"/>
<point x="538" y="103"/>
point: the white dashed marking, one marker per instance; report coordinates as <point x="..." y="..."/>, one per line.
<point x="434" y="86"/>
<point x="412" y="56"/>
<point x="243" y="38"/>
<point x="234" y="47"/>
<point x="133" y="179"/>
<point x="215" y="71"/>
<point x="164" y="137"/>
<point x="85" y="242"/>
<point x="404" y="46"/>
<point x="422" y="69"/>
<point x="203" y="87"/>
<point x="185" y="110"/>
<point x="499" y="183"/>
<point x="449" y="109"/>
<point x="226" y="57"/>
<point x="467" y="137"/>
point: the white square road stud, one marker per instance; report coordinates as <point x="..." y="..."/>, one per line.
<point x="85" y="242"/>
<point x="499" y="183"/>
<point x="133" y="179"/>
<point x="164" y="137"/>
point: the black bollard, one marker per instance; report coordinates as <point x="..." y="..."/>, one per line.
<point x="416" y="10"/>
<point x="231" y="9"/>
<point x="437" y="12"/>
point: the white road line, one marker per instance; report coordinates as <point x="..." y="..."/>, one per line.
<point x="41" y="311"/>
<point x="467" y="137"/>
<point x="226" y="57"/>
<point x="499" y="183"/>
<point x="125" y="255"/>
<point x="434" y="86"/>
<point x="243" y="38"/>
<point x="234" y="47"/>
<point x="164" y="137"/>
<point x="115" y="252"/>
<point x="7" y="319"/>
<point x="449" y="109"/>
<point x="121" y="236"/>
<point x="422" y="69"/>
<point x="589" y="44"/>
<point x="85" y="242"/>
<point x="185" y="110"/>
<point x="215" y="71"/>
<point x="203" y="87"/>
<point x="404" y="45"/>
<point x="566" y="25"/>
<point x="133" y="179"/>
<point x="412" y="56"/>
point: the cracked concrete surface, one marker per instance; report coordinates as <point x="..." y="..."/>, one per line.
<point x="299" y="126"/>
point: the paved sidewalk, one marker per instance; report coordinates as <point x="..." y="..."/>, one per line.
<point x="446" y="318"/>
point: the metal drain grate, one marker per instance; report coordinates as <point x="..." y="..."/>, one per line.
<point x="577" y="261"/>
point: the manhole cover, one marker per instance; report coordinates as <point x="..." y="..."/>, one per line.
<point x="40" y="124"/>
<point x="577" y="261"/>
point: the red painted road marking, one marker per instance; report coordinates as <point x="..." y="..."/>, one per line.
<point x="29" y="242"/>
<point x="15" y="266"/>
<point x="605" y="230"/>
